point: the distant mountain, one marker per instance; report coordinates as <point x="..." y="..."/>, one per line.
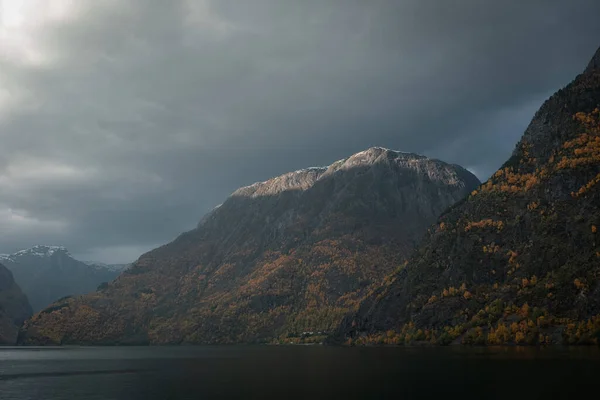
<point x="111" y="267"/>
<point x="14" y="308"/>
<point x="518" y="261"/>
<point x="284" y="259"/>
<point x="48" y="273"/>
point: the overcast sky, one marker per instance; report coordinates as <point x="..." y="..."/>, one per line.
<point x="123" y="121"/>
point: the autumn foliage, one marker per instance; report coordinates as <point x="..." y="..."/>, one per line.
<point x="525" y="243"/>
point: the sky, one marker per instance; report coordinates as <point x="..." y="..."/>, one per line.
<point x="123" y="121"/>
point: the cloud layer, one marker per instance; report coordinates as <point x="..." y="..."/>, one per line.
<point x="122" y="122"/>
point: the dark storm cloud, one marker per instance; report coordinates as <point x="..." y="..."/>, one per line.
<point x="122" y="122"/>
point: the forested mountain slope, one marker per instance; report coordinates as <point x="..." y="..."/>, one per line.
<point x="518" y="261"/>
<point x="278" y="260"/>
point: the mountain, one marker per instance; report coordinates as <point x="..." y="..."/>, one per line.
<point x="284" y="259"/>
<point x="14" y="307"/>
<point x="111" y="267"/>
<point x="518" y="261"/>
<point x="48" y="273"/>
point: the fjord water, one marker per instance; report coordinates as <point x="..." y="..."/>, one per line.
<point x="294" y="372"/>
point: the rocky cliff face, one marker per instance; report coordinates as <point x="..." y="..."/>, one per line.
<point x="518" y="261"/>
<point x="14" y="308"/>
<point x="48" y="273"/>
<point x="279" y="260"/>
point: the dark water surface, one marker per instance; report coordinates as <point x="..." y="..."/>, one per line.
<point x="302" y="372"/>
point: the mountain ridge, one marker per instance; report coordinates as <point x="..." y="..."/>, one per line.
<point x="289" y="255"/>
<point x="294" y="179"/>
<point x="37" y="250"/>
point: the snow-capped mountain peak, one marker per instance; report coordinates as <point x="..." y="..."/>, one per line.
<point x="40" y="251"/>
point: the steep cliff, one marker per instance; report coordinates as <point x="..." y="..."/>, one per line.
<point x="14" y="308"/>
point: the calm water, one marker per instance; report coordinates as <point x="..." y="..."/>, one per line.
<point x="303" y="372"/>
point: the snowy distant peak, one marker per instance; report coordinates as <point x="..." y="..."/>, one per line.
<point x="44" y="248"/>
<point x="35" y="251"/>
<point x="44" y="254"/>
<point x="42" y="251"/>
